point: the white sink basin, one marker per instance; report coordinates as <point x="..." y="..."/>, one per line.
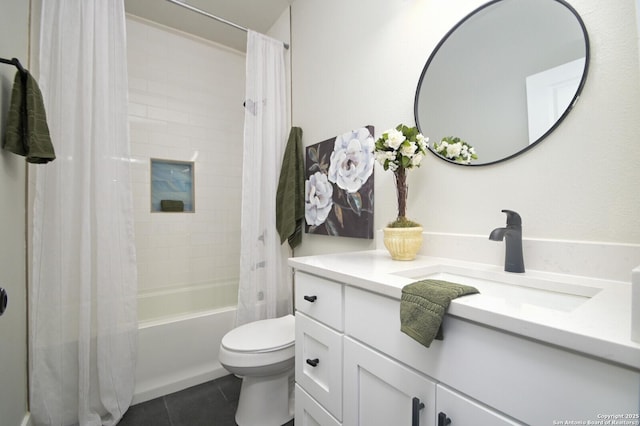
<point x="508" y="291"/>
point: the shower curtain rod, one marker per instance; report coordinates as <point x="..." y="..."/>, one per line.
<point x="217" y="18"/>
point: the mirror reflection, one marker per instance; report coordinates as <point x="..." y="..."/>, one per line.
<point x="503" y="78"/>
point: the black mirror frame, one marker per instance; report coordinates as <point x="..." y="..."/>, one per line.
<point x="558" y="121"/>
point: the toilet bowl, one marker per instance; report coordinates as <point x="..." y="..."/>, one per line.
<point x="262" y="353"/>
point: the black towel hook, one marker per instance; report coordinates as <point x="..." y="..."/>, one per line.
<point x="15" y="62"/>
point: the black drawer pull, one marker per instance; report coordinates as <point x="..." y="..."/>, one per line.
<point x="313" y="362"/>
<point x="443" y="420"/>
<point x="310" y="298"/>
<point x="415" y="411"/>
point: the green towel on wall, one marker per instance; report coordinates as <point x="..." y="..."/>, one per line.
<point x="27" y="129"/>
<point x="290" y="195"/>
<point x="423" y="305"/>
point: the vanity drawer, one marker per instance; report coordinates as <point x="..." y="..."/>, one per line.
<point x="310" y="413"/>
<point x="321" y="299"/>
<point x="319" y="363"/>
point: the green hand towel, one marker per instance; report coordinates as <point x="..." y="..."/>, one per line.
<point x="423" y="305"/>
<point x="290" y="194"/>
<point x="27" y="129"/>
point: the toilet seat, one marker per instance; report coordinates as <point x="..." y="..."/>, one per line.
<point x="261" y="336"/>
<point x="259" y="347"/>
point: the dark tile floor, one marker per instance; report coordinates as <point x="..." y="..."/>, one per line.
<point x="209" y="404"/>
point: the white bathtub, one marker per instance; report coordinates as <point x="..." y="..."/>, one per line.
<point x="181" y="351"/>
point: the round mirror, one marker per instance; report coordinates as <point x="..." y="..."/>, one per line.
<point x="502" y="79"/>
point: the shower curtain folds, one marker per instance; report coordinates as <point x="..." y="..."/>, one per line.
<point x="265" y="286"/>
<point x="82" y="294"/>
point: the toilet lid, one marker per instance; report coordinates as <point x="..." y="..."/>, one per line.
<point x="261" y="336"/>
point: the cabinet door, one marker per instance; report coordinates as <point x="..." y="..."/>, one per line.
<point x="457" y="410"/>
<point x="310" y="413"/>
<point x="379" y="391"/>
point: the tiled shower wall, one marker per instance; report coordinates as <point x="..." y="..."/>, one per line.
<point x="185" y="104"/>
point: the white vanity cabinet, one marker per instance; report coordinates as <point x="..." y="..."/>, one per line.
<point x="485" y="374"/>
<point x="376" y="375"/>
<point x="319" y="348"/>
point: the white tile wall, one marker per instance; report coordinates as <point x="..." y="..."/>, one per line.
<point x="185" y="103"/>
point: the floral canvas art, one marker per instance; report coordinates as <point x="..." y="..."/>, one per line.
<point x="339" y="185"/>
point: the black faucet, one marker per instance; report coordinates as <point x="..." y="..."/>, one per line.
<point x="512" y="234"/>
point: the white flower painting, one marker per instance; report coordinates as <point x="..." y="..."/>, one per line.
<point x="318" y="202"/>
<point x="352" y="159"/>
<point x="339" y="185"/>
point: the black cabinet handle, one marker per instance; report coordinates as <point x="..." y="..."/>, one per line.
<point x="310" y="298"/>
<point x="313" y="362"/>
<point x="4" y="300"/>
<point x="443" y="420"/>
<point x="415" y="411"/>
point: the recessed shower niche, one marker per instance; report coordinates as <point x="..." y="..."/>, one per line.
<point x="172" y="188"/>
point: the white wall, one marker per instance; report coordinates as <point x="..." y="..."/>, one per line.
<point x="638" y="19"/>
<point x="14" y="42"/>
<point x="358" y="62"/>
<point x="281" y="30"/>
<point x="185" y="104"/>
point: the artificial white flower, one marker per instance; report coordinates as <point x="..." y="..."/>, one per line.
<point x="383" y="156"/>
<point x="352" y="160"/>
<point x="408" y="149"/>
<point x="422" y="142"/>
<point x="399" y="147"/>
<point x="399" y="150"/>
<point x="415" y="161"/>
<point x="394" y="138"/>
<point x="453" y="149"/>
<point x="318" y="193"/>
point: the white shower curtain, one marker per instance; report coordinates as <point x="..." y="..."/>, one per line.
<point x="82" y="300"/>
<point x="265" y="285"/>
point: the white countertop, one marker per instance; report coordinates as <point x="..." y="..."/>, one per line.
<point x="593" y="318"/>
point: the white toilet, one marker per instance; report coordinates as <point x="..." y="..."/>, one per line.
<point x="262" y="353"/>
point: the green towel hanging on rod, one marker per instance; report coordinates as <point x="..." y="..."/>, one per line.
<point x="27" y="129"/>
